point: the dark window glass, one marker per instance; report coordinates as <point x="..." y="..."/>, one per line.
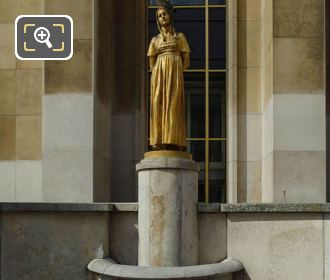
<point x="181" y="2"/>
<point x="195" y="104"/>
<point x="217" y="2"/>
<point x="152" y="25"/>
<point x="217" y="187"/>
<point x="217" y="38"/>
<point x="191" y="22"/>
<point x="217" y="106"/>
<point x="197" y="149"/>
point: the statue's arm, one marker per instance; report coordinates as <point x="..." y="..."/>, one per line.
<point x="185" y="60"/>
<point x="152" y="61"/>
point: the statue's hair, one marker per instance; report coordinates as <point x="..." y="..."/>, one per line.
<point x="165" y="4"/>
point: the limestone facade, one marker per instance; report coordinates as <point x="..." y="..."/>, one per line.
<point x="81" y="119"/>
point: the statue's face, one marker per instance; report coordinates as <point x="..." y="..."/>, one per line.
<point x="163" y="17"/>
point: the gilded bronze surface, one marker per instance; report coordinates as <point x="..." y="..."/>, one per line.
<point x="168" y="58"/>
<point x="164" y="153"/>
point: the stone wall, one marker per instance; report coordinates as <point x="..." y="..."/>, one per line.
<point x="46" y="111"/>
<point x="272" y="241"/>
<point x="299" y="101"/>
<point x="280" y="101"/>
<point x="279" y="245"/>
<point x="21" y="110"/>
<point x="249" y="109"/>
<point x="68" y="111"/>
<point x="232" y="101"/>
<point x="120" y="108"/>
<point x="52" y="245"/>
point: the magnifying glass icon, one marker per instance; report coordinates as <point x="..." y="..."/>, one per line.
<point x="41" y="35"/>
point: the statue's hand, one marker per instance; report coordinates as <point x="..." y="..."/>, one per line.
<point x="152" y="61"/>
<point x="186" y="61"/>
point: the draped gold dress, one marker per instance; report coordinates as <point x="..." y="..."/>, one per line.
<point x="167" y="104"/>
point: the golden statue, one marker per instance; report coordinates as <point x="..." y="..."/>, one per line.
<point x="168" y="58"/>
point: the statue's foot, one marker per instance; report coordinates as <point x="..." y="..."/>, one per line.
<point x="171" y="147"/>
<point x="182" y="148"/>
<point x="156" y="147"/>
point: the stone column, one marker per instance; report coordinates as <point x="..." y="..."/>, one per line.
<point x="168" y="195"/>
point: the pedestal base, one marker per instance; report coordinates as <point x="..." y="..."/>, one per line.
<point x="168" y="195"/>
<point x="168" y="154"/>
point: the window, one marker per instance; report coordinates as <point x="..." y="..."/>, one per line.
<point x="204" y="24"/>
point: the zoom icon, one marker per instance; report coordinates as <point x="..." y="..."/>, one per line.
<point x="43" y="37"/>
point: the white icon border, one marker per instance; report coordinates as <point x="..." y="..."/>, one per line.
<point x="45" y="58"/>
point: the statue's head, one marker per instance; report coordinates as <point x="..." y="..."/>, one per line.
<point x="163" y="17"/>
<point x="164" y="14"/>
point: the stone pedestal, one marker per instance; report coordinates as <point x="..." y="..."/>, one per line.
<point x="168" y="196"/>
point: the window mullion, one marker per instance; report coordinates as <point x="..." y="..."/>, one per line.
<point x="207" y="121"/>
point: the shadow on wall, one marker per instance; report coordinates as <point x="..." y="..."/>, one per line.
<point x="241" y="275"/>
<point x="120" y="98"/>
<point x="327" y="30"/>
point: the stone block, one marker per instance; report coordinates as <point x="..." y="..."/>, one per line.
<point x="71" y="76"/>
<point x="52" y="245"/>
<point x="102" y="128"/>
<point x="267" y="77"/>
<point x="7" y="46"/>
<point x="212" y="232"/>
<point x="8" y="11"/>
<point x="299" y="122"/>
<point x="232" y="182"/>
<point x="75" y="182"/>
<point x="81" y="15"/>
<point x="299" y="18"/>
<point x="249" y="9"/>
<point x="232" y="90"/>
<point x="123" y="181"/>
<point x="144" y="217"/>
<point x="267" y="181"/>
<point x="248" y="43"/>
<point x="28" y="181"/>
<point x="8" y="181"/>
<point x="249" y="182"/>
<point x="30" y="7"/>
<point x="29" y="84"/>
<point x="249" y="91"/>
<point x="267" y="24"/>
<point x="277" y="246"/>
<point x="189" y="225"/>
<point x="101" y="179"/>
<point x="165" y="218"/>
<point x="267" y="120"/>
<point x="299" y="177"/>
<point x="326" y="246"/>
<point x="7" y="92"/>
<point x="7" y="139"/>
<point x="123" y="144"/>
<point x="232" y="137"/>
<point x="168" y="213"/>
<point x="68" y="122"/>
<point x="299" y="65"/>
<point x="29" y="64"/>
<point x="124" y="237"/>
<point x="249" y="138"/>
<point x="28" y="138"/>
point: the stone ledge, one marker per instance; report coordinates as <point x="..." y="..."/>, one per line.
<point x="108" y="269"/>
<point x="133" y="207"/>
<point x="265" y="207"/>
<point x="55" y="207"/>
<point x="167" y="163"/>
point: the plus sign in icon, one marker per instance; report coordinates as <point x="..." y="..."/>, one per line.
<point x="44" y="37"/>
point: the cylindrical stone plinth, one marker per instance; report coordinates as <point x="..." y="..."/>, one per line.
<point x="168" y="195"/>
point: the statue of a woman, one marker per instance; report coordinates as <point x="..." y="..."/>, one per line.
<point x="168" y="58"/>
